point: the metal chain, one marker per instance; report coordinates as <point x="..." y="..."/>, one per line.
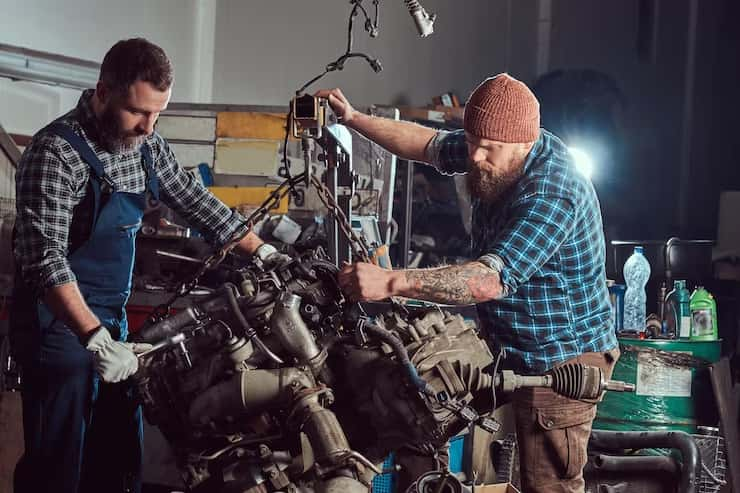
<point x="357" y="243"/>
<point x="185" y="287"/>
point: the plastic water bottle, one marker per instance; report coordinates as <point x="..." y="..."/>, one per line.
<point x="636" y="275"/>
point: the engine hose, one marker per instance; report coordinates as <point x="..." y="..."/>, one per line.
<point x="691" y="461"/>
<point x="168" y="327"/>
<point x="305" y="268"/>
<point x="400" y="350"/>
<point x="323" y="264"/>
<point x="230" y="292"/>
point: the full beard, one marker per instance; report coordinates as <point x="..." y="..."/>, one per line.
<point x="490" y="188"/>
<point x="113" y="137"/>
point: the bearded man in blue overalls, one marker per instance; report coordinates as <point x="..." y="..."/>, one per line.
<point x="82" y="186"/>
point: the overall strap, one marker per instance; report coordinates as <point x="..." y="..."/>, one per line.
<point x="152" y="182"/>
<point x="81" y="146"/>
<point x="88" y="155"/>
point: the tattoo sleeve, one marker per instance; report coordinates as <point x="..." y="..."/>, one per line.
<point x="471" y="282"/>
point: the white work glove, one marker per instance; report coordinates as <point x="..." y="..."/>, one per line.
<point x="113" y="360"/>
<point x="270" y="257"/>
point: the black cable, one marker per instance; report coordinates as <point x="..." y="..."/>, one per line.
<point x="403" y="356"/>
<point x="497" y="362"/>
<point x="338" y="64"/>
<point x="286" y="163"/>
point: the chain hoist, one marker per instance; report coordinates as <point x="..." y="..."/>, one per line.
<point x="357" y="243"/>
<point x="185" y="287"/>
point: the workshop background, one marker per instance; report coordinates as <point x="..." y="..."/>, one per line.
<point x="648" y="89"/>
<point x="670" y="63"/>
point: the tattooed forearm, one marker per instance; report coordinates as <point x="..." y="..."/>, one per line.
<point x="463" y="284"/>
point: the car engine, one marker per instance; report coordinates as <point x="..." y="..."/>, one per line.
<point x="276" y="382"/>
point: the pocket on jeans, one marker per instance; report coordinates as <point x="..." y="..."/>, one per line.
<point x="566" y="431"/>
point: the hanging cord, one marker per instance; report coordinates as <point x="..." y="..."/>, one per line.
<point x="371" y="26"/>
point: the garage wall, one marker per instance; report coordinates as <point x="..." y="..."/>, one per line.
<point x="674" y="158"/>
<point x="258" y="51"/>
<point x="265" y="50"/>
<point x="86" y="29"/>
<point x="603" y="36"/>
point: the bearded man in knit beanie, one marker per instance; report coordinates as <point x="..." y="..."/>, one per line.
<point x="538" y="276"/>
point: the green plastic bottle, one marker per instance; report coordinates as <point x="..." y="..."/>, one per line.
<point x="678" y="311"/>
<point x="703" y="315"/>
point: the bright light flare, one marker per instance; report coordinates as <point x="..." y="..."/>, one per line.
<point x="583" y="161"/>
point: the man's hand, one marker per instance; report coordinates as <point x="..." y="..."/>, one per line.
<point x="366" y="282"/>
<point x="113" y="360"/>
<point x="404" y="139"/>
<point x="339" y="104"/>
<point x="472" y="282"/>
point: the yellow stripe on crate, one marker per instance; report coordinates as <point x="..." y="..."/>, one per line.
<point x="242" y="125"/>
<point x="251" y="196"/>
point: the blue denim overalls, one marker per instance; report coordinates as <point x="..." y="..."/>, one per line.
<point x="83" y="435"/>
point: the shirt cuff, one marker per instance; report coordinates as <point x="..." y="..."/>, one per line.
<point x="431" y="153"/>
<point x="494" y="262"/>
<point x="235" y="225"/>
<point x="54" y="273"/>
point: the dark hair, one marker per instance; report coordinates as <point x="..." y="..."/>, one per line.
<point x="135" y="59"/>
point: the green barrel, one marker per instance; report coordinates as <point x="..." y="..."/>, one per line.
<point x="673" y="389"/>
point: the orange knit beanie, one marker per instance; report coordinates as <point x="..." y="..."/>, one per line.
<point x="504" y="109"/>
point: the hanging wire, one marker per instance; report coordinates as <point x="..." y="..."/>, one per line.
<point x="371" y="26"/>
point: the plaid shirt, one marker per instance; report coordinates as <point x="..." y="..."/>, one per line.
<point x="52" y="180"/>
<point x="545" y="239"/>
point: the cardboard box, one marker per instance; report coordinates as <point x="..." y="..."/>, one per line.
<point x="441" y="114"/>
<point x="413" y="113"/>
<point x="255" y="196"/>
<point x="496" y="488"/>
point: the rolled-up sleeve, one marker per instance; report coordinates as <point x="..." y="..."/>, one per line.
<point x="194" y="202"/>
<point x="448" y="152"/>
<point x="538" y="225"/>
<point x="44" y="204"/>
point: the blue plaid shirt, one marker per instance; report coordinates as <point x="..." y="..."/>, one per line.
<point x="545" y="239"/>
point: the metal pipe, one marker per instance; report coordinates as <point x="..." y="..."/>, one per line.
<point x="685" y="185"/>
<point x="691" y="460"/>
<point x="640" y="463"/>
<point x="168" y="327"/>
<point x="249" y="392"/>
<point x="293" y="333"/>
<point x="407" y="211"/>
